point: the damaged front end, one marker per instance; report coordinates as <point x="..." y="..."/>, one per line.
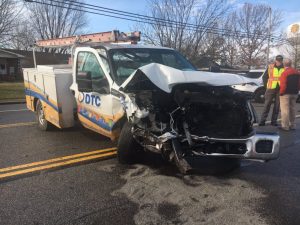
<point x="194" y="118"/>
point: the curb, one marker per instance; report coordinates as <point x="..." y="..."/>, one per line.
<point x="10" y="102"/>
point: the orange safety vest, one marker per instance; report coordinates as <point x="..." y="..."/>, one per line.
<point x="274" y="76"/>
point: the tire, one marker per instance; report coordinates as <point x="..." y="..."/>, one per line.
<point x="43" y="124"/>
<point x="129" y="151"/>
<point x="259" y="95"/>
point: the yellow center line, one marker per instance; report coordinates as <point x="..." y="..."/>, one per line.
<point x="59" y="164"/>
<point x="16" y="124"/>
<point x="55" y="159"/>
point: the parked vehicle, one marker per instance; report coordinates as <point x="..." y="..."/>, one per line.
<point x="150" y="99"/>
<point x="256" y="85"/>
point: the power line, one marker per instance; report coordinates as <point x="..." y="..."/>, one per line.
<point x="102" y="14"/>
<point x="141" y="18"/>
<point x="195" y="28"/>
<point x="154" y="19"/>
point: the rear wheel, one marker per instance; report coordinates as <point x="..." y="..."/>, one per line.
<point x="43" y="124"/>
<point x="129" y="151"/>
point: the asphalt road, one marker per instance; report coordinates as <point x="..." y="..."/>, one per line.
<point x="100" y="191"/>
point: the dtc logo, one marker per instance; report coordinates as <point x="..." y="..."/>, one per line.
<point x="89" y="99"/>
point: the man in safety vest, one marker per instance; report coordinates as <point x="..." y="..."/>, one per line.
<point x="271" y="79"/>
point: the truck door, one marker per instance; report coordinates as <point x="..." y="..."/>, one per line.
<point x="94" y="101"/>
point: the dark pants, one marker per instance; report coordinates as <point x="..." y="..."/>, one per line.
<point x="269" y="96"/>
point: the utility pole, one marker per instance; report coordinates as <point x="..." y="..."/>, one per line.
<point x="297" y="42"/>
<point x="269" y="35"/>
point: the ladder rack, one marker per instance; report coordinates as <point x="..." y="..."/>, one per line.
<point x="103" y="37"/>
<point x="114" y="36"/>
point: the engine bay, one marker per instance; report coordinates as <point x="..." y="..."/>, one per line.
<point x="192" y="113"/>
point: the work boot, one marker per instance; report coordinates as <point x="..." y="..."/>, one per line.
<point x="284" y="128"/>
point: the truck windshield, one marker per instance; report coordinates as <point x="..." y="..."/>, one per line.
<point x="126" y="61"/>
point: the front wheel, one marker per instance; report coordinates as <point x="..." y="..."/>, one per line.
<point x="43" y="124"/>
<point x="129" y="151"/>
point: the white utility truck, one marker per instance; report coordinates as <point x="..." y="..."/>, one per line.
<point x="150" y="98"/>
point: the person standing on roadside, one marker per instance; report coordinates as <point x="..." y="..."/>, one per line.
<point x="271" y="80"/>
<point x="289" y="88"/>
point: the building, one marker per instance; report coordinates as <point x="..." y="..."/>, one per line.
<point x="10" y="65"/>
<point x="12" y="62"/>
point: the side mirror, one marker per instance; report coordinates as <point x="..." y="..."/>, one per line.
<point x="84" y="81"/>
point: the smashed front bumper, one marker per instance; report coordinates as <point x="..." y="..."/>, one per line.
<point x="260" y="146"/>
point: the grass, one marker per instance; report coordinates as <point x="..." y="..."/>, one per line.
<point x="12" y="91"/>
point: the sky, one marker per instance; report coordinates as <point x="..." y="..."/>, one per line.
<point x="289" y="8"/>
<point x="97" y="23"/>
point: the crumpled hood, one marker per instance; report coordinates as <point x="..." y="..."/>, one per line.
<point x="165" y="77"/>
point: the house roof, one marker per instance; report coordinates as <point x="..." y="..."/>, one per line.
<point x="9" y="54"/>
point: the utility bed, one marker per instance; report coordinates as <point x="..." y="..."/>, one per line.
<point x="51" y="85"/>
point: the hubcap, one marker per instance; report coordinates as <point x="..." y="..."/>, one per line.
<point x="262" y="96"/>
<point x="41" y="115"/>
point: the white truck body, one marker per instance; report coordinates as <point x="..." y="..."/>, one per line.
<point x="51" y="84"/>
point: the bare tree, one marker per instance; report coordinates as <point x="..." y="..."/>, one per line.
<point x="165" y="33"/>
<point x="211" y="50"/>
<point x="240" y="37"/>
<point x="252" y="26"/>
<point x="23" y="36"/>
<point x="9" y="10"/>
<point x="189" y="40"/>
<point x="293" y="48"/>
<point x="54" y="20"/>
<point x="229" y="53"/>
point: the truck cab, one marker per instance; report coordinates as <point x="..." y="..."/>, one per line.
<point x="98" y="73"/>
